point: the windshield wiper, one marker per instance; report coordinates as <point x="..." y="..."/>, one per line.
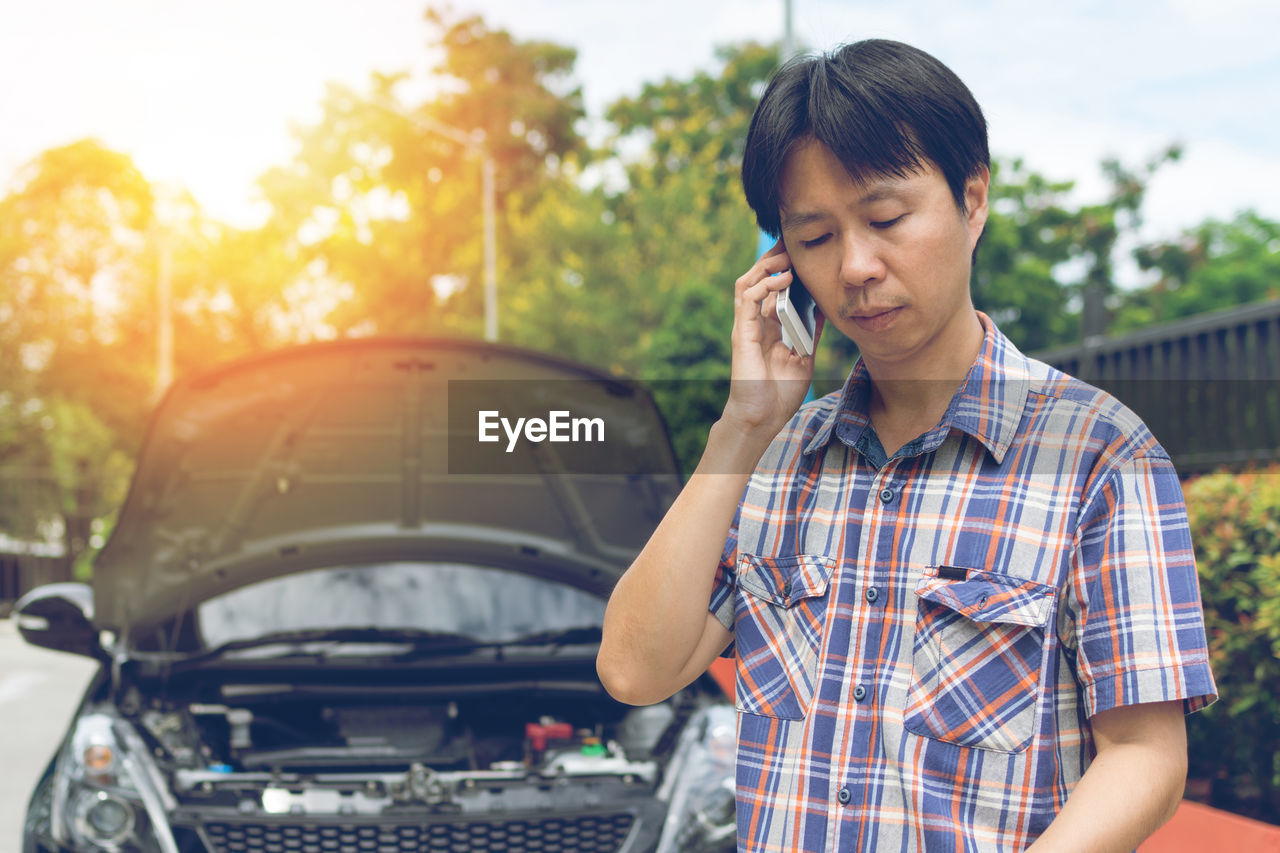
<point x="555" y="639"/>
<point x="568" y="637"/>
<point x="424" y="643"/>
<point x="439" y="640"/>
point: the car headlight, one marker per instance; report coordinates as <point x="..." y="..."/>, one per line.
<point x="104" y="797"/>
<point x="103" y="818"/>
<point x="699" y="786"/>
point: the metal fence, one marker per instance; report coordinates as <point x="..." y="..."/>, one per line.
<point x="1208" y="387"/>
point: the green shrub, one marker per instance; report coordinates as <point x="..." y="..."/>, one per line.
<point x="1235" y="526"/>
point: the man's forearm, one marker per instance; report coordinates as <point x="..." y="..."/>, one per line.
<point x="1129" y="790"/>
<point x="658" y="611"/>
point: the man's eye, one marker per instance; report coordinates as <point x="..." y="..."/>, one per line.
<point x="887" y="223"/>
<point x="809" y="244"/>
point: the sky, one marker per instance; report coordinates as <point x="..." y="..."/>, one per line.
<point x="203" y="94"/>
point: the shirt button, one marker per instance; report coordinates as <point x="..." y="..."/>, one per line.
<point x="786" y="588"/>
<point x="859" y="693"/>
<point x="844" y="796"/>
<point x="873" y="594"/>
<point x="886" y="495"/>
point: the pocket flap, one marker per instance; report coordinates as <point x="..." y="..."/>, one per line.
<point x="984" y="596"/>
<point x="785" y="580"/>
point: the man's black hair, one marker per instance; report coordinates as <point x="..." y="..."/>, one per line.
<point x="882" y="107"/>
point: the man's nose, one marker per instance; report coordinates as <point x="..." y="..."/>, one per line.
<point x="861" y="263"/>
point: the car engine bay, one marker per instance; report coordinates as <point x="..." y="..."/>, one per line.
<point x="266" y="748"/>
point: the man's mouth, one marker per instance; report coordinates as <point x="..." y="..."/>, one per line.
<point x="875" y="319"/>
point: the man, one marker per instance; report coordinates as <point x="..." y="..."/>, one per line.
<point x="960" y="592"/>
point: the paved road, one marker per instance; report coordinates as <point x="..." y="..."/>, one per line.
<point x="39" y="690"/>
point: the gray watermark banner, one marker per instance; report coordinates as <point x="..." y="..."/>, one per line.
<point x="620" y="427"/>
<point x="549" y="427"/>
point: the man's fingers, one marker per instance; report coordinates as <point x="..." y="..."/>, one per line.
<point x="775" y="260"/>
<point x="756" y="329"/>
<point x="770" y="264"/>
<point x="769" y="284"/>
<point x="769" y="307"/>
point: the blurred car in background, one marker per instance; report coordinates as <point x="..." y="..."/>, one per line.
<point x="315" y="635"/>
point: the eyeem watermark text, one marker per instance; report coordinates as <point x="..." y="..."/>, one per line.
<point x="559" y="427"/>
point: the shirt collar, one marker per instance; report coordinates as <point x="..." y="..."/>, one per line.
<point x="988" y="406"/>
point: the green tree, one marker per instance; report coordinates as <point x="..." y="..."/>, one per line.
<point x="380" y="203"/>
<point x="1040" y="257"/>
<point x="75" y="272"/>
<point x="572" y="264"/>
<point x="639" y="278"/>
<point x="73" y="263"/>
<point x="1099" y="229"/>
<point x="1028" y="236"/>
<point x="238" y="291"/>
<point x="689" y="230"/>
<point x="1211" y="267"/>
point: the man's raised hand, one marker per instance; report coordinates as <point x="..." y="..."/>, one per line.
<point x="768" y="380"/>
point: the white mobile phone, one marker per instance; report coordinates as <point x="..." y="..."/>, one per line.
<point x="795" y="313"/>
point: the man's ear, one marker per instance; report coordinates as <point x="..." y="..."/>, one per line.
<point x="975" y="200"/>
<point x="976" y="190"/>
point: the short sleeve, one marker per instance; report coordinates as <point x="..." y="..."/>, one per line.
<point x="722" y="587"/>
<point x="1140" y="632"/>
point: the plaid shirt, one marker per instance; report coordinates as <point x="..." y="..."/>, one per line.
<point x="921" y="640"/>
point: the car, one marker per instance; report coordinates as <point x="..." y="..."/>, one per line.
<point x="330" y="618"/>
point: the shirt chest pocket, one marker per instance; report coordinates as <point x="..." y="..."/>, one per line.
<point x="781" y="610"/>
<point x="977" y="658"/>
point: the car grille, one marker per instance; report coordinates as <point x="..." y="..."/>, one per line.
<point x="564" y="834"/>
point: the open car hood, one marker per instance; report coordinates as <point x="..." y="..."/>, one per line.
<point x="336" y="452"/>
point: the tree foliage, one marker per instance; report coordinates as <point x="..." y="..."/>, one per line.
<point x="1211" y="267"/>
<point x="1029" y="234"/>
<point x="379" y="202"/>
<point x="74" y="276"/>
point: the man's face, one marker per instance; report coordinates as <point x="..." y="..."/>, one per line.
<point x="886" y="259"/>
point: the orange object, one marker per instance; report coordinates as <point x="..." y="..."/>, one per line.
<point x="1196" y="829"/>
<point x="539" y="733"/>
<point x="722" y="671"/>
<point x="98" y="758"/>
